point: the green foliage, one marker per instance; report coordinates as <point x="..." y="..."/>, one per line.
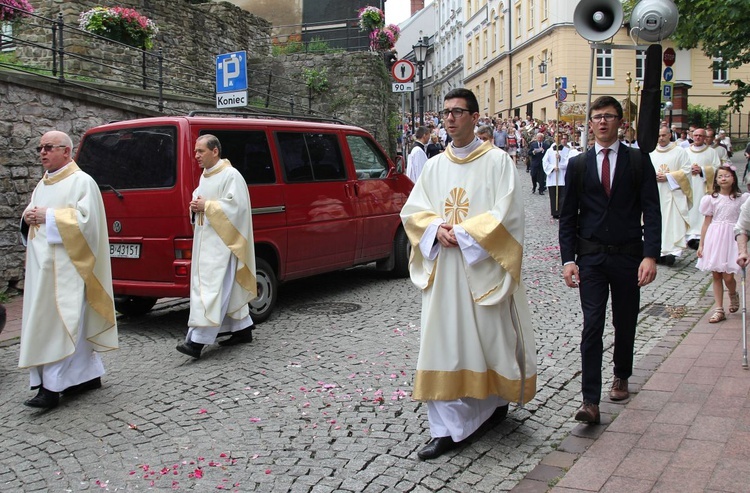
<point x="719" y="29"/>
<point x="287" y="48"/>
<point x="702" y="116"/>
<point x="315" y="79"/>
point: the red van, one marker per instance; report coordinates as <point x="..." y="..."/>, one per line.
<point x="324" y="195"/>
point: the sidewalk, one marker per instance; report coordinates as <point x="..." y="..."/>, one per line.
<point x="12" y="328"/>
<point x="685" y="428"/>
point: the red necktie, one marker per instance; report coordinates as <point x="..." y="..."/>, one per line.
<point x="605" y="172"/>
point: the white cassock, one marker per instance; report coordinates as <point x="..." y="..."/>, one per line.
<point x="708" y="160"/>
<point x="556" y="179"/>
<point x="722" y="153"/>
<point x="223" y="266"/>
<point x="675" y="195"/>
<point x="477" y="345"/>
<point x="68" y="307"/>
<point x="417" y="158"/>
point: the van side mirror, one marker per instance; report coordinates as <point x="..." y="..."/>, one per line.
<point x="399" y="163"/>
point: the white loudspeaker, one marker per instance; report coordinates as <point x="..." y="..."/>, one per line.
<point x="597" y="20"/>
<point x="654" y="20"/>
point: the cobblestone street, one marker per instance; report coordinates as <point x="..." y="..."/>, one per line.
<point x="319" y="402"/>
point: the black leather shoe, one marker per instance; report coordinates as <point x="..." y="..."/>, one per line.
<point x="243" y="336"/>
<point x="436" y="447"/>
<point x="45" y="399"/>
<point x="541" y="192"/>
<point x="93" y="384"/>
<point x="694" y="244"/>
<point x="500" y="414"/>
<point x="669" y="260"/>
<point x="191" y="349"/>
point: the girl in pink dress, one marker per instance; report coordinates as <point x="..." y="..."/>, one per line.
<point x="717" y="251"/>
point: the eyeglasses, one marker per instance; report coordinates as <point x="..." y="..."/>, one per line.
<point x="456" y="112"/>
<point x="49" y="147"/>
<point x="607" y="117"/>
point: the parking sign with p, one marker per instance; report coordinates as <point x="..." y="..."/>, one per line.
<point x="231" y="72"/>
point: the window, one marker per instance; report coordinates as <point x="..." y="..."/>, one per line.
<point x="468" y="9"/>
<point x="640" y="64"/>
<point x="368" y="161"/>
<point x="545" y="75"/>
<point x="310" y="157"/>
<point x="721" y="74"/>
<point x="476" y="50"/>
<point x="531" y="15"/>
<point x="604" y="64"/>
<point x="520" y="79"/>
<point x="501" y="31"/>
<point x="493" y="33"/>
<point x="531" y="74"/>
<point x="519" y="19"/>
<point x="501" y="79"/>
<point x="468" y="55"/>
<point x="131" y="159"/>
<point x="485" y="43"/>
<point x="249" y="153"/>
<point x="545" y="9"/>
<point x="6" y="37"/>
<point x="543" y="116"/>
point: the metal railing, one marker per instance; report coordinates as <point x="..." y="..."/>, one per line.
<point x="739" y="125"/>
<point x="122" y="65"/>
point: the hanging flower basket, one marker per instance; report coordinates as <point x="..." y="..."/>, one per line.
<point x="385" y="38"/>
<point x="9" y="14"/>
<point x="119" y="24"/>
<point x="371" y="18"/>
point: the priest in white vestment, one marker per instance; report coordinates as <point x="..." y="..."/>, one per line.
<point x="555" y="164"/>
<point x="465" y="222"/>
<point x="704" y="161"/>
<point x="222" y="281"/>
<point x="68" y="307"/>
<point x="672" y="167"/>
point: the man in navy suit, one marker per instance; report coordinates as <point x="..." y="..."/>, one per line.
<point x="605" y="247"/>
<point x="537" y="148"/>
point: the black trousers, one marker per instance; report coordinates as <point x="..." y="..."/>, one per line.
<point x="618" y="274"/>
<point x="555" y="202"/>
<point x="538" y="177"/>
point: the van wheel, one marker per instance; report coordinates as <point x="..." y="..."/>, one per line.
<point x="262" y="306"/>
<point x="134" y="306"/>
<point x="401" y="253"/>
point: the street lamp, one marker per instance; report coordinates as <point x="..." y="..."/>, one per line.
<point x="668" y="108"/>
<point x="420" y="53"/>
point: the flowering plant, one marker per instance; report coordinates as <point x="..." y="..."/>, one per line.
<point x="120" y="24"/>
<point x="371" y="18"/>
<point x="9" y="14"/>
<point x="385" y="38"/>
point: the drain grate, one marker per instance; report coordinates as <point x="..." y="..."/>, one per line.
<point x="666" y="311"/>
<point x="332" y="308"/>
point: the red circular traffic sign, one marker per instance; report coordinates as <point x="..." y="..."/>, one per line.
<point x="403" y="70"/>
<point x="669" y="57"/>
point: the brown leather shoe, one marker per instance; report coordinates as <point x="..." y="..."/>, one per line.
<point x="588" y="413"/>
<point x="619" y="391"/>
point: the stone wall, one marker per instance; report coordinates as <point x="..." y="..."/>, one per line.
<point x="190" y="36"/>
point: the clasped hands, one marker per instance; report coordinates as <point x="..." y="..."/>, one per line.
<point x="446" y="236"/>
<point x="198" y="204"/>
<point x="35" y="216"/>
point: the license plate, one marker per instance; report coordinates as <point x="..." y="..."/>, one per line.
<point x="124" y="250"/>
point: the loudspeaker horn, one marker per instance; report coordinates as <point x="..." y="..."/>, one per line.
<point x="654" y="20"/>
<point x="597" y="20"/>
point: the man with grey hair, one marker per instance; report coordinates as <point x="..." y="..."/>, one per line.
<point x="417" y="156"/>
<point x="68" y="306"/>
<point x="538" y="177"/>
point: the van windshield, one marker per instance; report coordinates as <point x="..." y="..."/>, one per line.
<point x="131" y="158"/>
